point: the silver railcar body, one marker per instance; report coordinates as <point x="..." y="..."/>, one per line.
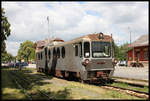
<point x="79" y="57"/>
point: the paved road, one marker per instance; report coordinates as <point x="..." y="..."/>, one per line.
<point x="132" y="72"/>
<point x="31" y="66"/>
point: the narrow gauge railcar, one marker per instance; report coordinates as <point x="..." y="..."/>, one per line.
<point x="88" y="58"/>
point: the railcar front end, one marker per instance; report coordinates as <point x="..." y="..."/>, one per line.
<point x="98" y="60"/>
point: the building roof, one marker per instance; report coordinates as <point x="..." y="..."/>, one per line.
<point x="141" y="41"/>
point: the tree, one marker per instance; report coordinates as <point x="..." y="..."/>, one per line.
<point x="116" y="51"/>
<point x="121" y="51"/>
<point x="5" y="30"/>
<point x="26" y="51"/>
<point x="7" y="57"/>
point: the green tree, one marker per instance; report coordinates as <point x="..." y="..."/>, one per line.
<point x="116" y="51"/>
<point x="121" y="51"/>
<point x="26" y="51"/>
<point x="7" y="57"/>
<point x="5" y="30"/>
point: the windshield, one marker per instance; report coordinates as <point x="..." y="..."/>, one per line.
<point x="101" y="49"/>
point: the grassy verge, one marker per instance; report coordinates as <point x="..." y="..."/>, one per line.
<point x="130" y="79"/>
<point x="125" y="85"/>
<point x="56" y="88"/>
<point x="9" y="88"/>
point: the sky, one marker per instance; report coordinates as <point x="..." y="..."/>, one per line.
<point x="69" y="20"/>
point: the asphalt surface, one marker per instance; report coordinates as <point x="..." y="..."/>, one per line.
<point x="141" y="73"/>
<point x="31" y="66"/>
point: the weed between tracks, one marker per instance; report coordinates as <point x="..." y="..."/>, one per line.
<point x="54" y="87"/>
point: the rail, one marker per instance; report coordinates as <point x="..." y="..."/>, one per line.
<point x="23" y="88"/>
<point x="136" y="93"/>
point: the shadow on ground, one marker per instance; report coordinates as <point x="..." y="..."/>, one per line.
<point x="32" y="79"/>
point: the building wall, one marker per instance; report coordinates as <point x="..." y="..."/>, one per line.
<point x="143" y="55"/>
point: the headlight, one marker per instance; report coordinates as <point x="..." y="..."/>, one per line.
<point x="86" y="62"/>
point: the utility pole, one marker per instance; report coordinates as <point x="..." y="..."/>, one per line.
<point x="130" y="34"/>
<point x="53" y="27"/>
<point x="48" y="23"/>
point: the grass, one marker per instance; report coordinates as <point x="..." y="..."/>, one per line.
<point x="56" y="88"/>
<point x="125" y="85"/>
<point x="9" y="88"/>
<point x="130" y="79"/>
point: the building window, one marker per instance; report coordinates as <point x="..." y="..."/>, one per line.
<point x="130" y="58"/>
<point x="137" y="55"/>
<point x="63" y="52"/>
<point x="49" y="54"/>
<point x="145" y="55"/>
<point x="58" y="53"/>
<point x="76" y="50"/>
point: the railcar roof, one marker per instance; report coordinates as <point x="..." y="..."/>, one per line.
<point x="89" y="37"/>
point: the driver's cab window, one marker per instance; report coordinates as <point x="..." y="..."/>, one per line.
<point x="86" y="49"/>
<point x="106" y="48"/>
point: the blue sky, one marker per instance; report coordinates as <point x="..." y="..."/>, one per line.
<point x="69" y="20"/>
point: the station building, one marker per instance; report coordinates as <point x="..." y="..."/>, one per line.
<point x="139" y="52"/>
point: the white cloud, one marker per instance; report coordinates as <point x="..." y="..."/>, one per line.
<point x="12" y="47"/>
<point x="74" y="19"/>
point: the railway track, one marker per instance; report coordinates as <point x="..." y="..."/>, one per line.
<point x="24" y="88"/>
<point x="19" y="85"/>
<point x="140" y="94"/>
<point x="136" y="93"/>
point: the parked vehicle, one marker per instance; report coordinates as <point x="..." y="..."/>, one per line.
<point x="5" y="64"/>
<point x="22" y="64"/>
<point x="122" y="63"/>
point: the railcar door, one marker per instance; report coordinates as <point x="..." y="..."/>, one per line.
<point x="46" y="63"/>
<point x="78" y="57"/>
<point x="54" y="62"/>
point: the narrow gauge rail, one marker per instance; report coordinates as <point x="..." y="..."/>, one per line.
<point x="19" y="85"/>
<point x="136" y="93"/>
<point x="23" y="88"/>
